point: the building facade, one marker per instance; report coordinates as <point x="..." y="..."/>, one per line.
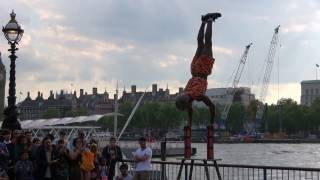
<point x="156" y="95"/>
<point x="222" y="95"/>
<point x="39" y="107"/>
<point x="2" y="87"/>
<point x="310" y="90"/>
<point x="65" y="104"/>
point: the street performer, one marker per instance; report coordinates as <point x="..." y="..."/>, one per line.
<point x="201" y="67"/>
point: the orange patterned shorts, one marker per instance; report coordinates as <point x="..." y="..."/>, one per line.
<point x="202" y="65"/>
<point x="196" y="87"/>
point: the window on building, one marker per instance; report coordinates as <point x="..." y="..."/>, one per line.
<point x="317" y="91"/>
<point x="311" y="91"/>
<point x="307" y="91"/>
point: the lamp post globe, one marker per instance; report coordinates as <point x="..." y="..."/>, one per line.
<point x="13" y="33"/>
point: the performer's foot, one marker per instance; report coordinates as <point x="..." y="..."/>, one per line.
<point x="203" y="18"/>
<point x="212" y="16"/>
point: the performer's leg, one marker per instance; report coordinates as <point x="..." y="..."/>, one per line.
<point x="211" y="107"/>
<point x="210" y="17"/>
<point x="207" y="48"/>
<point x="200" y="39"/>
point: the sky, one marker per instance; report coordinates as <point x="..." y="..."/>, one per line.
<point x="83" y="44"/>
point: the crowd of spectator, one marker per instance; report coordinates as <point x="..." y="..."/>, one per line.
<point x="23" y="157"/>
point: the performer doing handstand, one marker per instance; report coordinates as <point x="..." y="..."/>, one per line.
<point x="201" y="67"/>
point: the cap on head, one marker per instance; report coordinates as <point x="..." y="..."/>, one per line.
<point x="142" y="139"/>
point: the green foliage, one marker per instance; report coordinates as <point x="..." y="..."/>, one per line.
<point x="77" y="112"/>
<point x="295" y="118"/>
<point x="51" y="113"/>
<point x="235" y="118"/>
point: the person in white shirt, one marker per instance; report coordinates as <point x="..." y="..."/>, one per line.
<point x="142" y="156"/>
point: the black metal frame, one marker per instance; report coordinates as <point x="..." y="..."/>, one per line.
<point x="239" y="171"/>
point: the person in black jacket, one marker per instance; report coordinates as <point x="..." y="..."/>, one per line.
<point x="45" y="160"/>
<point x="112" y="153"/>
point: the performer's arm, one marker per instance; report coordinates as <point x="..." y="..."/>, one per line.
<point x="211" y="107"/>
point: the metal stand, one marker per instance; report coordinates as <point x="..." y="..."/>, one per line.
<point x="187" y="154"/>
<point x="205" y="162"/>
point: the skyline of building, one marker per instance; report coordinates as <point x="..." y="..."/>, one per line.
<point x="310" y="90"/>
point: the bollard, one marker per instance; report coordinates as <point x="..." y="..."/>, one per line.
<point x="163" y="158"/>
<point x="187" y="142"/>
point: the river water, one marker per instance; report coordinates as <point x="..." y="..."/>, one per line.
<point x="293" y="155"/>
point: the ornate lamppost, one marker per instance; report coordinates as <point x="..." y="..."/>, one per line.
<point x="13" y="33"/>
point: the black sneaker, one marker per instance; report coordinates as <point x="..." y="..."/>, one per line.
<point x="203" y="18"/>
<point x="212" y="16"/>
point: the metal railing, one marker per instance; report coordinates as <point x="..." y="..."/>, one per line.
<point x="165" y="170"/>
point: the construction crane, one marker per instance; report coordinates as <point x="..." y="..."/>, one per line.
<point x="266" y="78"/>
<point x="230" y="93"/>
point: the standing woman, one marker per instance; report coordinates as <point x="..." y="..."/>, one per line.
<point x="75" y="159"/>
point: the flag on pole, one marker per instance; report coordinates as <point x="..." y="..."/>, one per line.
<point x="317" y="65"/>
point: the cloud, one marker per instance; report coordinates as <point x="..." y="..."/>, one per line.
<point x="94" y="43"/>
<point x="295" y="28"/>
<point x="222" y="50"/>
<point x="285" y="90"/>
<point x="171" y="60"/>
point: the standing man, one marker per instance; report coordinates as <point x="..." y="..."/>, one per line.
<point x="112" y="153"/>
<point x="142" y="156"/>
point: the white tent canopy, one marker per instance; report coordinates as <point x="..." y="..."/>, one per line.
<point x="39" y="123"/>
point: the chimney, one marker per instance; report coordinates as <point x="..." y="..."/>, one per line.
<point x="38" y="94"/>
<point x="61" y="92"/>
<point x="133" y="89"/>
<point x="75" y="93"/>
<point x="51" y="96"/>
<point x="180" y="90"/>
<point x="154" y="89"/>
<point x="81" y="92"/>
<point x="28" y="94"/>
<point x="94" y="91"/>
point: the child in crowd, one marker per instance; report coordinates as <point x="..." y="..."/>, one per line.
<point x="124" y="173"/>
<point x="103" y="169"/>
<point x="24" y="167"/>
<point x="87" y="164"/>
<point x="95" y="171"/>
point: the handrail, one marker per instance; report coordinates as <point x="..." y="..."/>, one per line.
<point x="233" y="165"/>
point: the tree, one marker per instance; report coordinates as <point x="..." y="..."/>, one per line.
<point x="235" y="118"/>
<point x="51" y="113"/>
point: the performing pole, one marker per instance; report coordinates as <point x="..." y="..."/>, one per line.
<point x="187" y="142"/>
<point x="210" y="140"/>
